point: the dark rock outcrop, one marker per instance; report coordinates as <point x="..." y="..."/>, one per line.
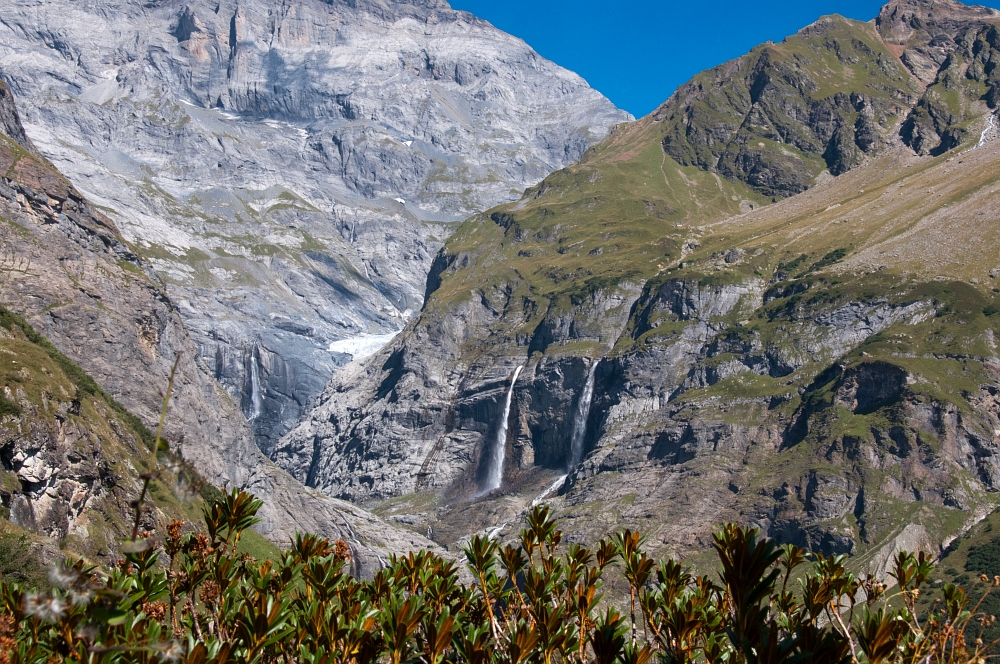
<point x="10" y="121"/>
<point x="770" y="120"/>
<point x="953" y="50"/>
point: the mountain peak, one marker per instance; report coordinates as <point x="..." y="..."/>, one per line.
<point x="907" y="22"/>
<point x="924" y="32"/>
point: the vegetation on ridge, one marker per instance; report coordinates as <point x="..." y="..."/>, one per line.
<point x="733" y="331"/>
<point x="83" y="382"/>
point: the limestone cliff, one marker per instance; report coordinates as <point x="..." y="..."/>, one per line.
<point x="290" y="169"/>
<point x="65" y="267"/>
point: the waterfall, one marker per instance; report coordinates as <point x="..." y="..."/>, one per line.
<point x="494" y="467"/>
<point x="548" y="492"/>
<point x="580" y="419"/>
<point x="983" y="137"/>
<point x="256" y="401"/>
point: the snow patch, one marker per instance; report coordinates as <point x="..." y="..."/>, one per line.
<point x="362" y="346"/>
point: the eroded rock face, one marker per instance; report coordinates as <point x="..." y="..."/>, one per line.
<point x="924" y="32"/>
<point x="290" y="171"/>
<point x="666" y="448"/>
<point x="768" y="120"/>
<point x="57" y="477"/>
<point x="822" y="367"/>
<point x="434" y="409"/>
<point x="69" y="272"/>
<point x="869" y="386"/>
<point x="10" y="120"/>
<point x="952" y="49"/>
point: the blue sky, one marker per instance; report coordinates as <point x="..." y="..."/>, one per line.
<point x="637" y="52"/>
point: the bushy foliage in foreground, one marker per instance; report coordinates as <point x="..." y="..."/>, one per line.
<point x="188" y="596"/>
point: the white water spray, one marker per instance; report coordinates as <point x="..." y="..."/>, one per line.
<point x="494" y="467"/>
<point x="548" y="492"/>
<point x="256" y="401"/>
<point x="580" y="419"/>
<point x="983" y="137"/>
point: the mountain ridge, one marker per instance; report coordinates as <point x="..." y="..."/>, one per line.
<point x="763" y="357"/>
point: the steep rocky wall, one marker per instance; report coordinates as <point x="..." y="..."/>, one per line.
<point x="69" y="463"/>
<point x="823" y="99"/>
<point x="65" y="267"/>
<point x="10" y="121"/>
<point x="291" y="169"/>
<point x="434" y="406"/>
<point x="708" y="417"/>
<point x="769" y="118"/>
<point x="824" y="367"/>
<point x="86" y="290"/>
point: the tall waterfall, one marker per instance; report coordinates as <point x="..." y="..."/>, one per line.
<point x="494" y="467"/>
<point x="580" y="418"/>
<point x="256" y="401"/>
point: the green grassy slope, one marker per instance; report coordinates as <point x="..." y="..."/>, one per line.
<point x="680" y="198"/>
<point x="43" y="395"/>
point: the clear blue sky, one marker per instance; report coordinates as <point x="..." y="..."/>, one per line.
<point x="637" y="52"/>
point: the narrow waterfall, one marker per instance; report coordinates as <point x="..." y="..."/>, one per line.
<point x="580" y="418"/>
<point x="494" y="467"/>
<point x="983" y="137"/>
<point x="256" y="401"/>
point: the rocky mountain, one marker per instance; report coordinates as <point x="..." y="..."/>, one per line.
<point x="290" y="169"/>
<point x="63" y="448"/>
<point x="84" y="371"/>
<point x="772" y="300"/>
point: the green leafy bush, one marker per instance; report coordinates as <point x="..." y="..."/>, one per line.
<point x="187" y="595"/>
<point x="834" y="256"/>
<point x="8" y="407"/>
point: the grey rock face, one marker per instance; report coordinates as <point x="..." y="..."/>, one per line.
<point x="68" y="271"/>
<point x="418" y="416"/>
<point x="415" y="416"/>
<point x="950" y="48"/>
<point x="63" y="475"/>
<point x="730" y="118"/>
<point x="291" y="169"/>
<point x="750" y="374"/>
<point x="10" y="121"/>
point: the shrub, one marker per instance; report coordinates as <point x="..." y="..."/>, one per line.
<point x="834" y="256"/>
<point x="8" y="407"/>
<point x="984" y="558"/>
<point x="187" y="595"/>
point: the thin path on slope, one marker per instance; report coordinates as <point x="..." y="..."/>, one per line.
<point x="666" y="180"/>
